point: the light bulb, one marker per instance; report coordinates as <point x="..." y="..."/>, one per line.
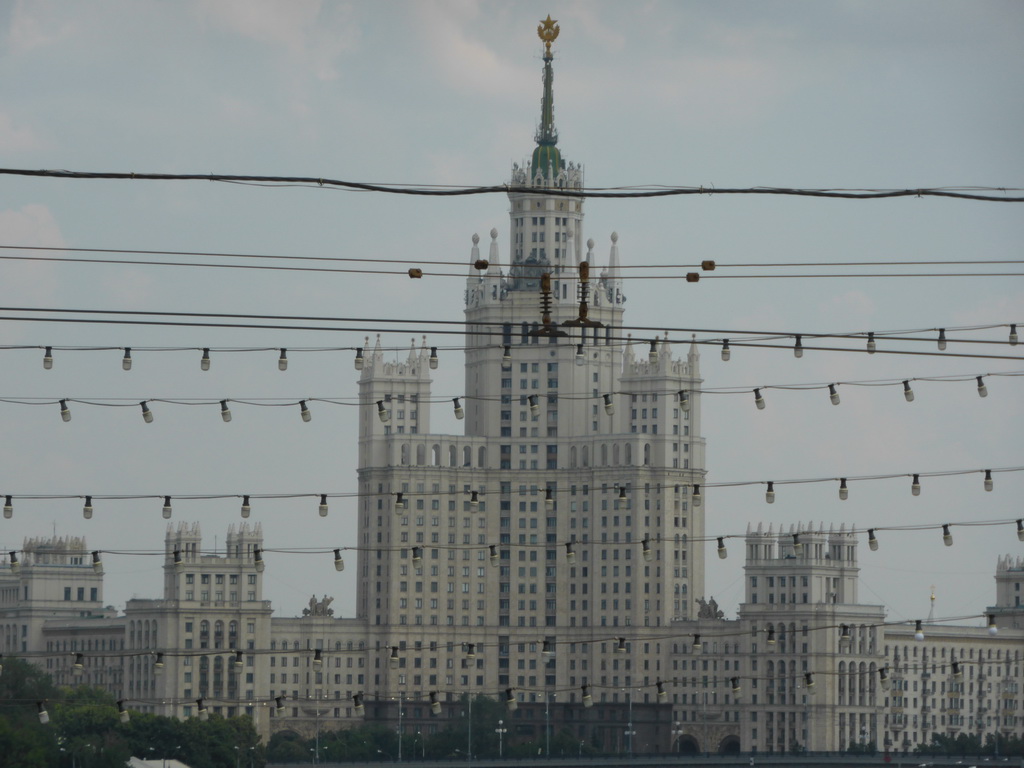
<point x="474" y="499"/>
<point x="546" y="649"/>
<point x="459" y="412"/>
<point x="435" y="705"/>
<point x="506" y="355"/>
<point x="872" y="540"/>
<point x="87" y="508"/>
<point x="652" y="356"/>
<point x="322" y="509"/>
<point x="958" y="673"/>
<point x="696" y="645"/>
<point x="279" y="705"/>
<point x="771" y="636"/>
<point x="257" y="558"/>
<point x="736" y="686"/>
<point x="44" y="716"/>
<point x="722" y="551"/>
<point x="798" y="546"/>
<point x="126" y="361"/>
<point x="432" y="361"/>
<point x="1020" y="529"/>
<point x="832" y="394"/>
<point x="988" y="479"/>
<point x="982" y="389"/>
<point x="65" y="412"/>
<point x="662" y="693"/>
<point x="609" y="406"/>
<point x="470" y="649"/>
<point x="622" y="493"/>
<point x="239" y="659"/>
<point x="908" y="393"/>
<point x="1013" y="334"/>
<point x="510" y="700"/>
<point x="97" y="563"/>
<point x="809" y="682"/>
<point x="158" y="663"/>
<point x="549" y="499"/>
<point x="621" y="645"/>
<point x="48" y="358"/>
<point x="246" y="508"/>
<point x="357" y="704"/>
<point x="201" y="708"/>
<point x="393" y="659"/>
<point x="798" y="347"/>
<point x="147" y="415"/>
<point x="282" y="361"/>
<point x="399" y="500"/>
<point x="844" y="492"/>
<point x="769" y="495"/>
<point x="696" y="495"/>
<point x="588" y="700"/>
<point x="318" y="657"/>
<point x="359" y="359"/>
<point x="167" y="507"/>
<point x="684" y="400"/>
<point x="304" y="411"/>
<point x="122" y="713"/>
<point x="204" y="361"/>
<point x="179" y="563"/>
<point x="8" y="507"/>
<point x="993" y="629"/>
<point x="918" y="631"/>
<point x="417" y="557"/>
<point x="883" y="679"/>
<point x="339" y="563"/>
<point x="844" y="634"/>
<point x="871" y="342"/>
<point x="942" y="339"/>
<point x="579" y="354"/>
<point x="726" y="353"/>
<point x="225" y="412"/>
<point x="15" y="565"/>
<point x="758" y="400"/>
<point x="947" y="537"/>
<point x="493" y="554"/>
<point x="534" y="407"/>
<point x="382" y="412"/>
<point x="915" y="486"/>
<point x="647" y="553"/>
<point x="570" y="554"/>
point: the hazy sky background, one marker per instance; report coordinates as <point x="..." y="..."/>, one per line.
<point x="727" y="94"/>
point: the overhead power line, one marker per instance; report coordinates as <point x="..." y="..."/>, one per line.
<point x="987" y="194"/>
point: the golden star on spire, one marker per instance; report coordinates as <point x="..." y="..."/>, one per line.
<point x="548" y="31"/>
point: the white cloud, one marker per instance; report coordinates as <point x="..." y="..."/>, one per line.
<point x="31" y="281"/>
<point x="38" y="24"/>
<point x="312" y="34"/>
<point x="16" y="138"/>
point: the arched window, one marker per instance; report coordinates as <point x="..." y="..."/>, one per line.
<point x="435" y="455"/>
<point x="405" y="454"/>
<point x="647" y="454"/>
<point x="453" y="456"/>
<point x="481" y="456"/>
<point x="586" y="455"/>
<point x="572" y="457"/>
<point x="421" y="455"/>
<point x="467" y="456"/>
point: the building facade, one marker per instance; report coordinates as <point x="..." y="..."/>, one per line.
<point x="551" y="555"/>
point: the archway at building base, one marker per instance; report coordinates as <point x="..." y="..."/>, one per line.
<point x="688" y="746"/>
<point x="730" y="745"/>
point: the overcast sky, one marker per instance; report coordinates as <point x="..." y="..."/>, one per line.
<point x="727" y="94"/>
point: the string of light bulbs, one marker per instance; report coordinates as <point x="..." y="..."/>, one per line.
<point x="981" y="193"/>
<point x="457" y="327"/>
<point x="476" y="497"/>
<point x="533" y="400"/>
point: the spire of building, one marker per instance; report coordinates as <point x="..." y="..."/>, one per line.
<point x="547" y="160"/>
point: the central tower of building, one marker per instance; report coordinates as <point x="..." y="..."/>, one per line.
<point x="563" y="517"/>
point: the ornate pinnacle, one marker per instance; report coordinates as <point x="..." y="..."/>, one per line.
<point x="548" y="31"/>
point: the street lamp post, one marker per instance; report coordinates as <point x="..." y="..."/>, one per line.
<point x="399" y="726"/>
<point x="547" y="723"/>
<point x="630" y="733"/>
<point x="501" y="731"/>
<point x="677" y="735"/>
